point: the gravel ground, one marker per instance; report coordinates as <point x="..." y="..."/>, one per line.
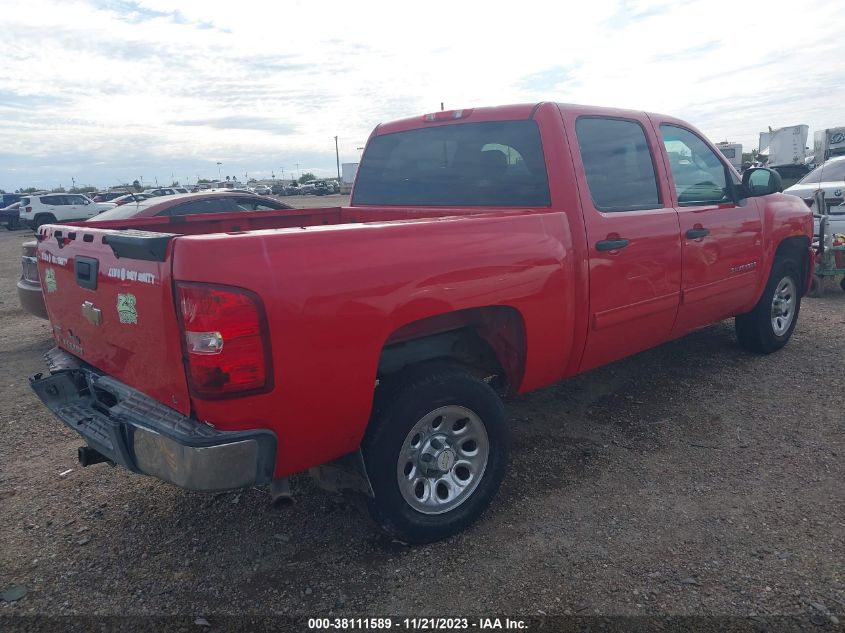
<point x="692" y="479"/>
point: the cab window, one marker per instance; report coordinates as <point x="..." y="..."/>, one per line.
<point x="700" y="177"/>
<point x="618" y="164"/>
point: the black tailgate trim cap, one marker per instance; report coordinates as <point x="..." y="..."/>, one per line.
<point x="144" y="245"/>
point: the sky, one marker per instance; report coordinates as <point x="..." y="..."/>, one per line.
<point x="106" y="92"/>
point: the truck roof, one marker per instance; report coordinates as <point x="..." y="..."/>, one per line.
<point x="512" y="112"/>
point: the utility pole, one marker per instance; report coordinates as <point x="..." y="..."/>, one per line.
<point x="337" y="157"/>
<point x="219" y="177"/>
<point x="73" y="180"/>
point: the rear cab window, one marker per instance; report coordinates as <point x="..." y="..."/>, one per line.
<point x="498" y="164"/>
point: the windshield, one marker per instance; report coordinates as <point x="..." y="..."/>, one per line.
<point x="831" y="171"/>
<point x="497" y="163"/>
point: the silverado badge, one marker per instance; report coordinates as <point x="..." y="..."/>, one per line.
<point x="126" y="308"/>
<point x="93" y="315"/>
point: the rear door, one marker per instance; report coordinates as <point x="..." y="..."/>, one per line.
<point x="109" y="299"/>
<point x="721" y="237"/>
<point x="632" y="233"/>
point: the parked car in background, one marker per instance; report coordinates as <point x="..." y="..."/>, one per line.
<point x="9" y="198"/>
<point x="226" y="201"/>
<point x="322" y="188"/>
<point x="223" y="202"/>
<point x="829" y="176"/>
<point x="307" y="188"/>
<point x="293" y="189"/>
<point x="36" y="210"/>
<point x="278" y="189"/>
<point x="131" y="197"/>
<point x="165" y="191"/>
<point x="262" y="190"/>
<point x="10" y="216"/>
<point x="107" y="196"/>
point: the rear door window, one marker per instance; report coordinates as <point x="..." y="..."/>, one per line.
<point x="498" y="163"/>
<point x="618" y="164"/>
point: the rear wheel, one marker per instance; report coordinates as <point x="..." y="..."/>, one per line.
<point x="769" y="325"/>
<point x="436" y="453"/>
<point x="44" y="218"/>
<point x="842" y="284"/>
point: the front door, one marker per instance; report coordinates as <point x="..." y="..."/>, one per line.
<point x="634" y="245"/>
<point x="721" y="237"/>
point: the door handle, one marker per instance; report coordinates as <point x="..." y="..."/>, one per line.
<point x="611" y="245"/>
<point x="694" y="234"/>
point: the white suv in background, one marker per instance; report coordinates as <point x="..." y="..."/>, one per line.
<point x="36" y="210"/>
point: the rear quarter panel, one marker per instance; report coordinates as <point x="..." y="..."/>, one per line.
<point x="334" y="295"/>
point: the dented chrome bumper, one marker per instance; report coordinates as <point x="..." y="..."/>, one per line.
<point x="141" y="434"/>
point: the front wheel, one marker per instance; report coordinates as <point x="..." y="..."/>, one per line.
<point x="770" y="324"/>
<point x="435" y="454"/>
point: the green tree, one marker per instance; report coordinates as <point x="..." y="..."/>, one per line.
<point x="306" y="177"/>
<point x="136" y="185"/>
<point x="58" y="190"/>
<point x="27" y="190"/>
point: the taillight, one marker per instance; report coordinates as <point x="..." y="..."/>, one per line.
<point x="28" y="209"/>
<point x="225" y="338"/>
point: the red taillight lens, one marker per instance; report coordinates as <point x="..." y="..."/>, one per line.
<point x="225" y="339"/>
<point x="28" y="209"/>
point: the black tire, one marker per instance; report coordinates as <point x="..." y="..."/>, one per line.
<point x="755" y="330"/>
<point x="842" y="284"/>
<point x="816" y="287"/>
<point x="416" y="394"/>
<point x="44" y="218"/>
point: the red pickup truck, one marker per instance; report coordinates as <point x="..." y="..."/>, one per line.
<point x="485" y="252"/>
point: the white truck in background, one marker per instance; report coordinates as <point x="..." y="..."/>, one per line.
<point x="828" y="143"/>
<point x="733" y="152"/>
<point x="785" y="150"/>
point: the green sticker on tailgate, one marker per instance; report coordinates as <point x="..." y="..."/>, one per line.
<point x="126" y="308"/>
<point x="50" y="280"/>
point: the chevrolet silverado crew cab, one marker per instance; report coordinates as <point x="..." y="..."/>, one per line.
<point x="485" y="252"/>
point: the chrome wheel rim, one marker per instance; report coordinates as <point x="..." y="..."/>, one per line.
<point x="442" y="460"/>
<point x="783" y="306"/>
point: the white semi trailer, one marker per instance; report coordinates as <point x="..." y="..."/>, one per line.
<point x="828" y="143"/>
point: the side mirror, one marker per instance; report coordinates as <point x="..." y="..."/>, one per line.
<point x="761" y="181"/>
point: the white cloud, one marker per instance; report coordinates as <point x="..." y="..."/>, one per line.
<point x="107" y="90"/>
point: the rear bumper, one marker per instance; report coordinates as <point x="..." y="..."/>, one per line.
<point x="31" y="298"/>
<point x="141" y="434"/>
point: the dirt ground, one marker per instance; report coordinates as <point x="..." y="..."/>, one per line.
<point x="692" y="479"/>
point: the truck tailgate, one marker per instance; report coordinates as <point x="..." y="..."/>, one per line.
<point x="110" y="302"/>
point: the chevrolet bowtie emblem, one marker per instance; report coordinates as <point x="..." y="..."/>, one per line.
<point x="92" y="314"/>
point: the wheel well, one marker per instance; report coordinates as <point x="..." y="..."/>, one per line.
<point x="44" y="215"/>
<point x="490" y="341"/>
<point x="795" y="248"/>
